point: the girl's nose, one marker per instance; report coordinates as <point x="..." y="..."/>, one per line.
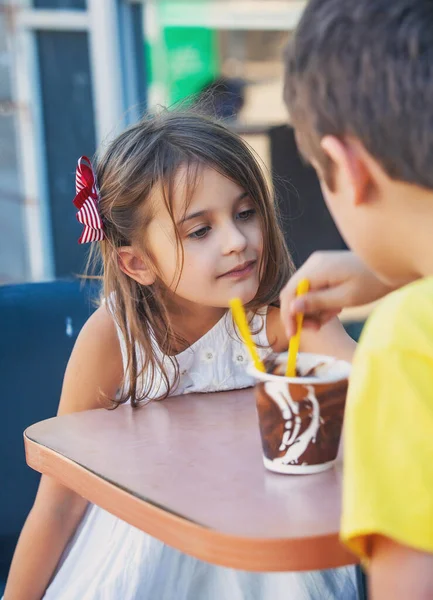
<point x="233" y="240"/>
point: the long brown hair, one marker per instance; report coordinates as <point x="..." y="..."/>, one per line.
<point x="147" y="154"/>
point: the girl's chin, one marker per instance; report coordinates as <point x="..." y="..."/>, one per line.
<point x="246" y="297"/>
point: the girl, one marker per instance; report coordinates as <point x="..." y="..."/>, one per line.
<point x="183" y="222"/>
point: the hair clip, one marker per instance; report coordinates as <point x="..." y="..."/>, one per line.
<point x="86" y="201"/>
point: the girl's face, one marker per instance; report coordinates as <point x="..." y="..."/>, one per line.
<point x="222" y="241"/>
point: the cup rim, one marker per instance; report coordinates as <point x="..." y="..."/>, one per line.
<point x="260" y="376"/>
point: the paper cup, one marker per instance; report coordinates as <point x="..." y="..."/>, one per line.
<point x="301" y="418"/>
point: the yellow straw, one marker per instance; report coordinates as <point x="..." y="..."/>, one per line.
<point x="241" y="321"/>
<point x="303" y="287"/>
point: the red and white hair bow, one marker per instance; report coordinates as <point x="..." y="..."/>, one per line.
<point x="86" y="201"/>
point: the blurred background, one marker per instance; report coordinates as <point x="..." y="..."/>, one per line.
<point x="73" y="73"/>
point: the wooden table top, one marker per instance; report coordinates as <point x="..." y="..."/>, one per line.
<point x="189" y="471"/>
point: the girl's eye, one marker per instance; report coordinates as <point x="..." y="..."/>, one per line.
<point x="200" y="233"/>
<point x="246" y="214"/>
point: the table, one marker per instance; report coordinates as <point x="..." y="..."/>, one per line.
<point x="188" y="470"/>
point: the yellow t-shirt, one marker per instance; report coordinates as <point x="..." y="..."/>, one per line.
<point x="388" y="438"/>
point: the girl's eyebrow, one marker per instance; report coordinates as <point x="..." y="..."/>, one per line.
<point x="241" y="196"/>
<point x="201" y="213"/>
<point x="194" y="215"/>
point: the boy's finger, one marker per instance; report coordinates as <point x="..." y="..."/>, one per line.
<point x="311" y="324"/>
<point x="287" y="318"/>
<point x="289" y="323"/>
<point x="314" y="322"/>
<point x="314" y="302"/>
<point x="317" y="321"/>
<point x="317" y="281"/>
<point x="313" y="270"/>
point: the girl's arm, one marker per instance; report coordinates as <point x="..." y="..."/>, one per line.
<point x="331" y="339"/>
<point x="94" y="369"/>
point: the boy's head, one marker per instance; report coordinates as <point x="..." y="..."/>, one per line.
<point x="359" y="87"/>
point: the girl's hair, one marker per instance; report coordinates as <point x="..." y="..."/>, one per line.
<point x="150" y="154"/>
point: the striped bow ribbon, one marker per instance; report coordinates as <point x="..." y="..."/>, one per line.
<point x="86" y="201"/>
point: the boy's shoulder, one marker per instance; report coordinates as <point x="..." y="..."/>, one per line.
<point x="403" y="320"/>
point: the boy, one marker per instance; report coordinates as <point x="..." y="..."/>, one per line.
<point x="359" y="87"/>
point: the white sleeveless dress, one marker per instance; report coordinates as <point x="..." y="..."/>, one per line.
<point x="108" y="559"/>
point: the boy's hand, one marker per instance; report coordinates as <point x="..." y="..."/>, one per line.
<point x="338" y="279"/>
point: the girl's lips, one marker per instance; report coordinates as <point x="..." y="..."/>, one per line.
<point x="241" y="271"/>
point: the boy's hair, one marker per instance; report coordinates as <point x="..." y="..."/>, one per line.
<point x="145" y="157"/>
<point x="364" y="68"/>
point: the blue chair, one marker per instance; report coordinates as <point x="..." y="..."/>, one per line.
<point x="39" y="323"/>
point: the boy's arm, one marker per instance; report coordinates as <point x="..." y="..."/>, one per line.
<point x="338" y="279"/>
<point x="399" y="572"/>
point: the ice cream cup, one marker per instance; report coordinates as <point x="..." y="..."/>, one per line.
<point x="301" y="418"/>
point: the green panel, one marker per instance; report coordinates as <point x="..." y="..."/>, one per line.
<point x="192" y="60"/>
<point x="180" y="60"/>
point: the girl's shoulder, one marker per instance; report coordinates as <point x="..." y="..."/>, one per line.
<point x="100" y="330"/>
<point x="275" y="330"/>
<point x="94" y="372"/>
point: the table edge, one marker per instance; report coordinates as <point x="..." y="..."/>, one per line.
<point x="244" y="553"/>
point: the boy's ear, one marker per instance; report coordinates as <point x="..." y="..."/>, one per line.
<point x="132" y="262"/>
<point x="351" y="172"/>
